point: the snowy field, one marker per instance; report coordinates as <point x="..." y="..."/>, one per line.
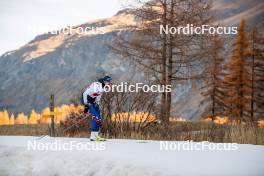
<point x="123" y="158"/>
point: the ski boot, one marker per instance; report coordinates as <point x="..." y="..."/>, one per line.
<point x="96" y="137"/>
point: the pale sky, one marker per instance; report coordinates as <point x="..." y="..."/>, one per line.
<point x="22" y="20"/>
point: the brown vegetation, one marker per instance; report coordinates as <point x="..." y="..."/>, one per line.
<point x="180" y="131"/>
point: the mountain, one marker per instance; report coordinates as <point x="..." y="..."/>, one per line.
<point x="63" y="64"/>
<point x="230" y="12"/>
<point x="58" y="63"/>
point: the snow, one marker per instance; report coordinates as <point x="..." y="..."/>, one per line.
<point x="125" y="157"/>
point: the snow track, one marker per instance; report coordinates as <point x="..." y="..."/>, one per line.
<point x="125" y="158"/>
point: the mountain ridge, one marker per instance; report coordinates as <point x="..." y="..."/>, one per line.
<point x="63" y="64"/>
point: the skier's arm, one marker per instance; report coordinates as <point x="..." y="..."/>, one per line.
<point x="95" y="92"/>
<point x="91" y="94"/>
<point x="85" y="95"/>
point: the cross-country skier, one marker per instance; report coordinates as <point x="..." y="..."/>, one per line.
<point x="90" y="99"/>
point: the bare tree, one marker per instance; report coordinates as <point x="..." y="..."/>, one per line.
<point x="128" y="111"/>
<point x="167" y="57"/>
<point x="213" y="88"/>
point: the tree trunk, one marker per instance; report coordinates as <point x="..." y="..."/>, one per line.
<point x="164" y="105"/>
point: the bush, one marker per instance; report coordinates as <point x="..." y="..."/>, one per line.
<point x="75" y="123"/>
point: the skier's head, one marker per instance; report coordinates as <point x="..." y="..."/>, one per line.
<point x="107" y="80"/>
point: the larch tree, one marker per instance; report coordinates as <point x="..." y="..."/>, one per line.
<point x="12" y="119"/>
<point x="1" y="118"/>
<point x="6" y="118"/>
<point x="238" y="78"/>
<point x="33" y="118"/>
<point x="257" y="75"/>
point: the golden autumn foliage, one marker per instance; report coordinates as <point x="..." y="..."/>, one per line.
<point x="133" y="117"/>
<point x="226" y="120"/>
<point x="261" y="123"/>
<point x="21" y="119"/>
<point x="5" y="118"/>
<point x="33" y="118"/>
<point x="60" y="113"/>
<point x="218" y="120"/>
<point x="12" y="120"/>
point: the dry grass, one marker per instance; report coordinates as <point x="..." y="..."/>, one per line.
<point x="25" y="130"/>
<point x="196" y="131"/>
<point x="180" y="131"/>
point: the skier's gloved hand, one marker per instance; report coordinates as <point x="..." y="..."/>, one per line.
<point x="86" y="108"/>
<point x="97" y="120"/>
